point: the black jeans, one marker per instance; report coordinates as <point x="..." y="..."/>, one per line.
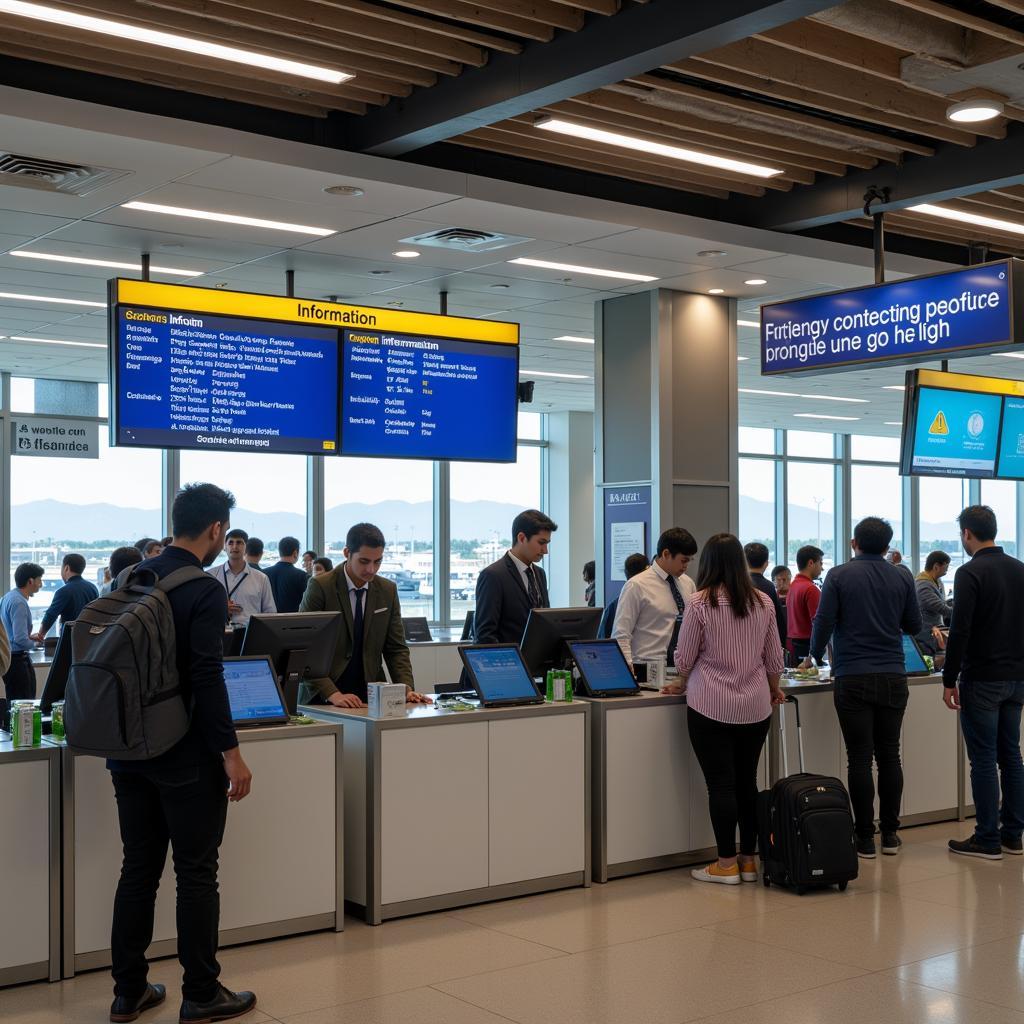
<point x="870" y="710"/>
<point x="19" y="684"/>
<point x="188" y="808"/>
<point x="728" y="756"/>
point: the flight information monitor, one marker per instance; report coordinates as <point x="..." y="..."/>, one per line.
<point x="407" y="396"/>
<point x="956" y="433"/>
<point x="1011" y="440"/>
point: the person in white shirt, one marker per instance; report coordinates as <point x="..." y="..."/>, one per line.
<point x="248" y="589"/>
<point x="652" y="603"/>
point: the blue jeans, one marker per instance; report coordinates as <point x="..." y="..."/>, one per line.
<point x="990" y="720"/>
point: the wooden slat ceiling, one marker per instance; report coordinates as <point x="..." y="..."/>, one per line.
<point x="390" y="47"/>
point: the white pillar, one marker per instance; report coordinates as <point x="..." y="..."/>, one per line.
<point x="570" y="503"/>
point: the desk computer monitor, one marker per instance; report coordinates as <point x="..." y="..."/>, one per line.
<point x="467" y="627"/>
<point x="547" y="632"/>
<point x="417" y="630"/>
<point x="57" y="677"/>
<point x="603" y="669"/>
<point x="499" y="675"/>
<point x="299" y="644"/>
<point x="254" y="694"/>
<point x="913" y="659"/>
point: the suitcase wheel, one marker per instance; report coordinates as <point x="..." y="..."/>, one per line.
<point x="842" y="886"/>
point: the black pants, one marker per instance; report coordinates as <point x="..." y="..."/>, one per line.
<point x="188" y="808"/>
<point x="728" y="756"/>
<point x="870" y="710"/>
<point x="19" y="684"/>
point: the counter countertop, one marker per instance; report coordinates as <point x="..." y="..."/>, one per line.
<point x="424" y="714"/>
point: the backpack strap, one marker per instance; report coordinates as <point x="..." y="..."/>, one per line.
<point x="185" y="574"/>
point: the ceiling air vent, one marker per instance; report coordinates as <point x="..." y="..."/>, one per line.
<point x="54" y="175"/>
<point x="466" y="240"/>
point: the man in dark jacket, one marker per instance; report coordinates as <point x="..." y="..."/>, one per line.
<point x="69" y="600"/>
<point x="758" y="557"/>
<point x="287" y="582"/>
<point x="984" y="680"/>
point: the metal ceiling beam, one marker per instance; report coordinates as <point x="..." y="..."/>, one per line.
<point x="606" y="50"/>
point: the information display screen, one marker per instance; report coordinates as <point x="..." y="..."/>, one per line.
<point x="253" y="693"/>
<point x="499" y="675"/>
<point x="956" y="433"/>
<point x="223" y="383"/>
<point x="406" y="396"/>
<point x="603" y="667"/>
<point x="1011" y="440"/>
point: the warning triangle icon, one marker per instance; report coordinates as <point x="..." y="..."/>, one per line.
<point x="939" y="424"/>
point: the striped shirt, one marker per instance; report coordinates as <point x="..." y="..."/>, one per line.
<point x="728" y="658"/>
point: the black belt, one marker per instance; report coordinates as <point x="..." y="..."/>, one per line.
<point x="20" y="654"/>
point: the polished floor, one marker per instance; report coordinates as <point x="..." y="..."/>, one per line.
<point x="924" y="937"/>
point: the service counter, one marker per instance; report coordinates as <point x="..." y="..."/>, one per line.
<point x="281" y="867"/>
<point x="30" y="806"/>
<point x="650" y="808"/>
<point x="446" y="808"/>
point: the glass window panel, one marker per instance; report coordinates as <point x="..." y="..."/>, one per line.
<point x="875" y="449"/>
<point x="86" y="505"/>
<point x="878" y="491"/>
<point x="397" y="496"/>
<point x="941" y="502"/>
<point x="757" y="503"/>
<point x="269" y="490"/>
<point x="812" y="492"/>
<point x="485" y="500"/>
<point x="1001" y="497"/>
<point x="23" y="394"/>
<point x="530" y="426"/>
<point x="810" y="444"/>
<point x="757" y="440"/>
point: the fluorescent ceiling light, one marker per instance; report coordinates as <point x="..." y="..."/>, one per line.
<point x="756" y="280"/>
<point x="572" y="268"/>
<point x="546" y="373"/>
<point x="774" y="394"/>
<point x="692" y="156"/>
<point x="748" y="323"/>
<point x="963" y="217"/>
<point x="817" y="416"/>
<point x="742" y="359"/>
<point x="172" y="41"/>
<point x="51" y="298"/>
<point x="573" y="337"/>
<point x="716" y="291"/>
<point x="113" y="264"/>
<point x="405" y="254"/>
<point x="895" y="387"/>
<point x="1010" y="355"/>
<point x="974" y="111"/>
<point x="55" y="341"/>
<point x="837" y="398"/>
<point x="893" y="423"/>
<point x="226" y="218"/>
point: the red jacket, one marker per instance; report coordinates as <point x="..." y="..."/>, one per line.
<point x="801" y="605"/>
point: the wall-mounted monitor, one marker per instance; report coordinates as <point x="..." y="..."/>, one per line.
<point x="962" y="425"/>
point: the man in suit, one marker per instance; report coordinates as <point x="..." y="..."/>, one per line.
<point x="70" y="599"/>
<point x="287" y="583"/>
<point x="370" y="633"/>
<point x="507" y="589"/>
<point x="757" y="562"/>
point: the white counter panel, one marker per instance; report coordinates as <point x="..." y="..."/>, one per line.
<point x="929" y="738"/>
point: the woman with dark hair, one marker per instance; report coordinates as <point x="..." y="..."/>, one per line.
<point x="729" y="663"/>
<point x="322" y="565"/>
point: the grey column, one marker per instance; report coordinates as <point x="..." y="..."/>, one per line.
<point x="666" y="407"/>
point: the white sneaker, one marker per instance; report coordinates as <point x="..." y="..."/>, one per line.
<point x="723" y="876"/>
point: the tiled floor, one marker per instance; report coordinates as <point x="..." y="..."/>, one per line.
<point x="924" y="937"/>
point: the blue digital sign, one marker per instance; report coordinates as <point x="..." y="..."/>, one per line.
<point x="955" y="433"/>
<point x="216" y="383"/>
<point x="1011" y="440"/>
<point x="406" y="396"/>
<point x="941" y="315"/>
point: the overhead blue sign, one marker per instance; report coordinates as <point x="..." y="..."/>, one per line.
<point x="940" y="316"/>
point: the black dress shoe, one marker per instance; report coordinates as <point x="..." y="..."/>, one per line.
<point x="123" y="1009"/>
<point x="225" y="1005"/>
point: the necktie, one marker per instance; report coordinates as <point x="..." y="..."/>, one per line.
<point x="532" y="590"/>
<point x="676" y="596"/>
<point x="353" y="679"/>
<point x="680" y="609"/>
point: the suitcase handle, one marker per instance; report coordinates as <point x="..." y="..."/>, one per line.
<point x="790" y="699"/>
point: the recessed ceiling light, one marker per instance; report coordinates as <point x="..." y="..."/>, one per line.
<point x="226" y="218"/>
<point x="819" y="416"/>
<point x="774" y="394"/>
<point x="716" y="291"/>
<point x="974" y="111"/>
<point x="945" y="213"/>
<point x="742" y="359"/>
<point x="748" y="323"/>
<point x="55" y="341"/>
<point x="837" y="398"/>
<point x="348" y="191"/>
<point x="692" y="156"/>
<point x="893" y="423"/>
<point x="405" y="254"/>
<point x="756" y="280"/>
<point x="546" y="373"/>
<point x="169" y="40"/>
<point x="620" y="275"/>
<point x="113" y="264"/>
<point x="51" y="298"/>
<point x="710" y="254"/>
<point x="895" y="387"/>
<point x="574" y="337"/>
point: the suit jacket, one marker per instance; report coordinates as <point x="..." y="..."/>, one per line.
<point x="768" y="588"/>
<point x="502" y="604"/>
<point x="383" y="635"/>
<point x="287" y="584"/>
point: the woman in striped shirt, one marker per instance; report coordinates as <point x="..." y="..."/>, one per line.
<point x="729" y="660"/>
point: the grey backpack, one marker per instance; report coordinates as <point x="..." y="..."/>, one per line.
<point x="123" y="697"/>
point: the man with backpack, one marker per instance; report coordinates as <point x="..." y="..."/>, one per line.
<point x="181" y="796"/>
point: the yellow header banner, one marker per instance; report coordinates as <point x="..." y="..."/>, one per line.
<point x="969" y="382"/>
<point x="129" y="292"/>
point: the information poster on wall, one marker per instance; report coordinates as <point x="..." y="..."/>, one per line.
<point x="627" y="531"/>
<point x="939" y="316"/>
<point x="55" y="438"/>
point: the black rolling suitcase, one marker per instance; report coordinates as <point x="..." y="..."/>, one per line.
<point x="805" y="826"/>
